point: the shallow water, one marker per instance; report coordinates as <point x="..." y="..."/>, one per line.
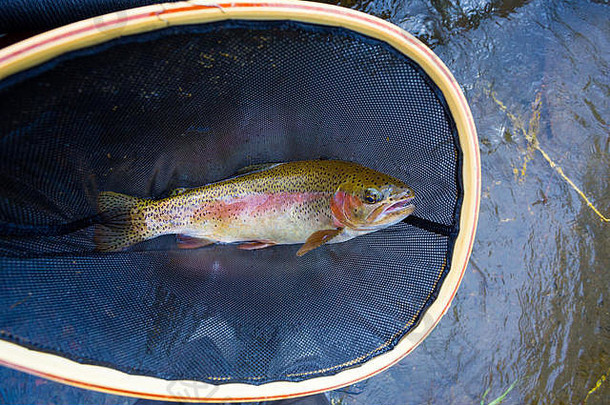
<point x="533" y="308"/>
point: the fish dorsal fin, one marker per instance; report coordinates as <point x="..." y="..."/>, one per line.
<point x="317" y="239"/>
<point x="256" y="168"/>
<point x="177" y="191"/>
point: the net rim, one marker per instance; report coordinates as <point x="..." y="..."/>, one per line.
<point x="46" y="46"/>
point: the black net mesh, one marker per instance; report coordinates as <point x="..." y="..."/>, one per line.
<point x="189" y="105"/>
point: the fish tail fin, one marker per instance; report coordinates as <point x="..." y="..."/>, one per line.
<point x="121" y="226"/>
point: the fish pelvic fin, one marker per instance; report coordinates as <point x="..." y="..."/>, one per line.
<point x="254" y="245"/>
<point x="122" y="222"/>
<point x="317" y="239"/>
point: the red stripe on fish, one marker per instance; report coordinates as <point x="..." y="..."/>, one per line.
<point x="231" y="207"/>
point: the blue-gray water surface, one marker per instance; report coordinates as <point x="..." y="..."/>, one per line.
<point x="533" y="310"/>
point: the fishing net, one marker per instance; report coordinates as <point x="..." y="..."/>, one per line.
<point x="186" y="105"/>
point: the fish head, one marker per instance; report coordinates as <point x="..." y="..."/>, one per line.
<point x="371" y="202"/>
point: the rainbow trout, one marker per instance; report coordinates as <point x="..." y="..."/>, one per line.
<point x="307" y="202"/>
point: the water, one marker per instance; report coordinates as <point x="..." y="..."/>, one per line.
<point x="533" y="308"/>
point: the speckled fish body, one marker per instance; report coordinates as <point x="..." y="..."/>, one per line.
<point x="283" y="203"/>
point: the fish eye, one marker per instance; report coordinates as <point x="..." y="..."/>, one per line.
<point x="372" y="196"/>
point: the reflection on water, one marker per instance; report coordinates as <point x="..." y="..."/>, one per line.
<point x="436" y="21"/>
<point x="533" y="307"/>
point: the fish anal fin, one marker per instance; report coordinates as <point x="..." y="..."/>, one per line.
<point x="255" y="245"/>
<point x="317" y="239"/>
<point x="188" y="242"/>
<point x="256" y="168"/>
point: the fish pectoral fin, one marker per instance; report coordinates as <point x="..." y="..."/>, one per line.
<point x="177" y="191"/>
<point x="256" y="168"/>
<point x="259" y="244"/>
<point x="188" y="242"/>
<point x="317" y="239"/>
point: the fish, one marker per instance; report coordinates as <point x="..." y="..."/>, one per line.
<point x="310" y="202"/>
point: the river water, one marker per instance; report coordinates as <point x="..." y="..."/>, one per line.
<point x="533" y="310"/>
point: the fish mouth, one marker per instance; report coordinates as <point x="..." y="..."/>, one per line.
<point x="402" y="206"/>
